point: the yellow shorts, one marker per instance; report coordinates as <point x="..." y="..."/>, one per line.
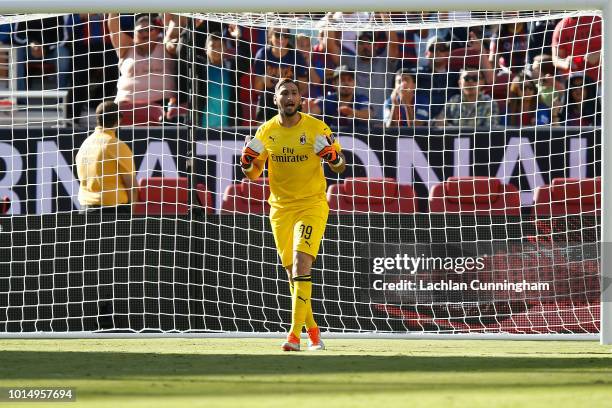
<point x="298" y="229"/>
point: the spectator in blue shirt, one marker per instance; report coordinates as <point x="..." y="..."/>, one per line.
<point x="94" y="64"/>
<point x="42" y="40"/>
<point x="5" y="33"/>
<point x="5" y="39"/>
<point x="343" y="107"/>
<point x="278" y="59"/>
<point x="435" y="82"/>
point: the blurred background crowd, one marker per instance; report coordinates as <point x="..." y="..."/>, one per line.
<point x="164" y="68"/>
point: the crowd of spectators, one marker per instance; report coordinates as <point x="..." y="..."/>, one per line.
<point x="515" y="74"/>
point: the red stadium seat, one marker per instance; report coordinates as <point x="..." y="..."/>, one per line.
<point x="475" y="195"/>
<point x="247" y="197"/>
<point x="371" y="195"/>
<point x="205" y="198"/>
<point x="162" y="196"/>
<point x="140" y="115"/>
<point x="5" y="205"/>
<point x="568" y="196"/>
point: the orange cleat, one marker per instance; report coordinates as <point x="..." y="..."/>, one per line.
<point x="314" y="340"/>
<point x="292" y="343"/>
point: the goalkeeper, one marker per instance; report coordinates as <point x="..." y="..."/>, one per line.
<point x="294" y="143"/>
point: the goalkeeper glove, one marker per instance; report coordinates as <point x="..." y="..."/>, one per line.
<point x="324" y="149"/>
<point x="250" y="152"/>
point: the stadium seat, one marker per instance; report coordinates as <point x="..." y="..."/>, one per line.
<point x="371" y="195"/>
<point x="475" y="195"/>
<point x="205" y="198"/>
<point x="247" y="197"/>
<point x="568" y="196"/>
<point x="162" y="196"/>
<point x="141" y="115"/>
<point x="5" y="205"/>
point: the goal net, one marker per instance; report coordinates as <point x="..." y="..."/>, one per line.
<point x="470" y="203"/>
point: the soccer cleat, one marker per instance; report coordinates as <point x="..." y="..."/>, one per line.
<point x="292" y="343"/>
<point x="314" y="340"/>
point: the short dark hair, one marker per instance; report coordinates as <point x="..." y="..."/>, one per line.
<point x="108" y="115"/>
<point x="284" y="81"/>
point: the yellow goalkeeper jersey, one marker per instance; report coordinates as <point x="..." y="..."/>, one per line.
<point x="294" y="169"/>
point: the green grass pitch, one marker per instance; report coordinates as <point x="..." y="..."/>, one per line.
<point x="351" y="373"/>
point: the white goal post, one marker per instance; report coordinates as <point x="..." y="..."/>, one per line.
<point x="8" y="7"/>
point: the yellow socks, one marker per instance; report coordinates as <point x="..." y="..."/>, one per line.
<point x="300" y="303"/>
<point x="310" y="321"/>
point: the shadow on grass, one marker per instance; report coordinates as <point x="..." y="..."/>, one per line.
<point x="57" y="365"/>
